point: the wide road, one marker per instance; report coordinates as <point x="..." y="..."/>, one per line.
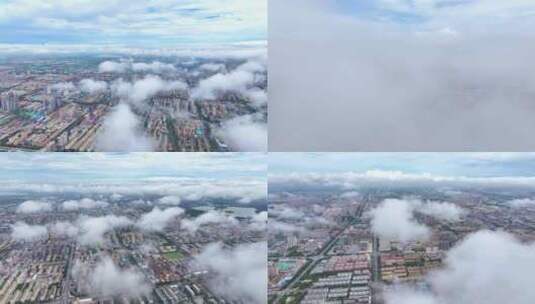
<point x="316" y="258"/>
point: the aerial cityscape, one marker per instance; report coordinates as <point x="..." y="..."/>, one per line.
<point x="182" y="76"/>
<point x="133" y="228"/>
<point x="401" y="228"/>
<point x="91" y="103"/>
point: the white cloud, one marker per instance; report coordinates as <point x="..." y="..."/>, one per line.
<point x="210" y="217"/>
<point x="85" y="203"/>
<point x="276" y="226"/>
<point x="213" y="67"/>
<point x="486" y="267"/>
<point x="241" y="272"/>
<point x="93" y="86"/>
<point x="393" y="220"/>
<point x="352" y="180"/>
<point x="126" y="65"/>
<point x="64" y="229"/>
<point x="523" y="202"/>
<point x="122" y="132"/>
<point x="158" y="219"/>
<point x="240" y="80"/>
<point x="350" y="194"/>
<point x="92" y="229"/>
<point x="24" y="232"/>
<point x="170" y="200"/>
<point x="63" y="86"/>
<point x="155" y="22"/>
<point x="440" y="210"/>
<point x="116" y="196"/>
<point x="241" y="189"/>
<point x="145" y="88"/>
<point x="113" y="67"/>
<point x="34" y="207"/>
<point x="245" y="134"/>
<point x="155" y="67"/>
<point x="259" y="221"/>
<point x="107" y="279"/>
<point x="285" y="212"/>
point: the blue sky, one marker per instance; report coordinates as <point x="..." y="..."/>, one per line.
<point x="455" y="15"/>
<point x="140" y="24"/>
<point x="436" y="164"/>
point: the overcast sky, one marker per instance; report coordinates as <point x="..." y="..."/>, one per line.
<point x="39" y="24"/>
<point x="401" y="75"/>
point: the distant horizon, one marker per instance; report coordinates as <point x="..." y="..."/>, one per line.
<point x="120" y="22"/>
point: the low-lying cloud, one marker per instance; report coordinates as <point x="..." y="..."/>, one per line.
<point x="21" y="231"/>
<point x="486" y="267"/>
<point x="210" y="217"/>
<point x="125" y="66"/>
<point x="107" y="279"/>
<point x="93" y="229"/>
<point x="140" y="90"/>
<point x="241" y="79"/>
<point x="245" y="133"/>
<point x="158" y="219"/>
<point x="84" y="203"/>
<point x="241" y="272"/>
<point x="170" y="200"/>
<point x="32" y="206"/>
<point x="393" y="220"/>
<point x="93" y="86"/>
<point x="122" y="131"/>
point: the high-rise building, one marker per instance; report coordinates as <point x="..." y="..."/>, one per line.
<point x="9" y="101"/>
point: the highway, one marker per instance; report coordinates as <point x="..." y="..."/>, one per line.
<point x="316" y="258"/>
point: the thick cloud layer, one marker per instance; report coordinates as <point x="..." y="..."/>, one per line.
<point x="158" y="219"/>
<point x="107" y="279"/>
<point x="21" y="231"/>
<point x="486" y="267"/>
<point x="393" y="220"/>
<point x="451" y="77"/>
<point x="122" y="132"/>
<point x="241" y="272"/>
<point x="34" y="206"/>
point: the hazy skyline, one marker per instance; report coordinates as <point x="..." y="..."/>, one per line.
<point x="177" y="175"/>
